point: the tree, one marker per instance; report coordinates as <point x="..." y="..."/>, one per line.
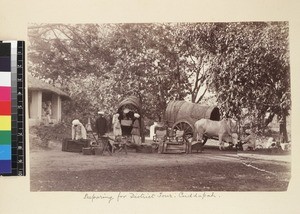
<point x="195" y="57"/>
<point x="73" y="58"/>
<point x="103" y="64"/>
<point x="244" y="64"/>
<point x="106" y="63"/>
<point x="251" y="69"/>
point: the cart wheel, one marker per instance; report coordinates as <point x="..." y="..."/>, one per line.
<point x="188" y="130"/>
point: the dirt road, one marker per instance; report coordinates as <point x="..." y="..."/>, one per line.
<point x="212" y="170"/>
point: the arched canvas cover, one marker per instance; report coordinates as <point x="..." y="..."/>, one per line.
<point x="132" y="100"/>
<point x="190" y="112"/>
<point x="171" y="112"/>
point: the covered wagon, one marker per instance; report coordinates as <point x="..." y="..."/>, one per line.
<point x="133" y="104"/>
<point x="182" y="115"/>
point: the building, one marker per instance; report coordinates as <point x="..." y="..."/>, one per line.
<point x="44" y="102"/>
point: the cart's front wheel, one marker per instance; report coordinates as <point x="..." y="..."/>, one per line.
<point x="188" y="130"/>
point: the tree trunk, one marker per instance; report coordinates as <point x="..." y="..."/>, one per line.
<point x="283" y="130"/>
<point x="262" y="127"/>
<point x="269" y="119"/>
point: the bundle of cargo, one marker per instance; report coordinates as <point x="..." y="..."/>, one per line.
<point x="93" y="149"/>
<point x="88" y="151"/>
<point x="69" y="145"/>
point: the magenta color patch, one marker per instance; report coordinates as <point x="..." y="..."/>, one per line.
<point x="5" y="93"/>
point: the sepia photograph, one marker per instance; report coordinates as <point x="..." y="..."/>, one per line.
<point x="159" y="107"/>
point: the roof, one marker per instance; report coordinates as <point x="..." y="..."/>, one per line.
<point x="35" y="84"/>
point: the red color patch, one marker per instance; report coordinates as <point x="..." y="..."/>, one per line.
<point x="5" y="107"/>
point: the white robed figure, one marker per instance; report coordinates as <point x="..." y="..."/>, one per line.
<point x="78" y="130"/>
<point x="116" y="126"/>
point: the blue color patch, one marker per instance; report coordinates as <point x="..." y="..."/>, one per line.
<point x="5" y="166"/>
<point x="5" y="152"/>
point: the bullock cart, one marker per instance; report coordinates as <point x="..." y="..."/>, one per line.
<point x="180" y="117"/>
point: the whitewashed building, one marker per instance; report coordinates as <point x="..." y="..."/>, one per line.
<point x="44" y="102"/>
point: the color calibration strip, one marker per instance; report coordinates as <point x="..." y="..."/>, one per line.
<point x="12" y="108"/>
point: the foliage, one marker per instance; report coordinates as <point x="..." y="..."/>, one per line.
<point x="245" y="65"/>
<point x="40" y="136"/>
<point x="104" y="64"/>
<point x="251" y="68"/>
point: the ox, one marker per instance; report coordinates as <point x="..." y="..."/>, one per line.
<point x="224" y="130"/>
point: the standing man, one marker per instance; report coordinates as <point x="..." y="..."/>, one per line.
<point x="102" y="128"/>
<point x="101" y="124"/>
<point x="136" y="134"/>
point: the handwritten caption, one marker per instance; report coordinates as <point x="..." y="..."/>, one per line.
<point x="111" y="197"/>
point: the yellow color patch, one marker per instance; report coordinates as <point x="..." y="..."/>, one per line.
<point x="5" y="122"/>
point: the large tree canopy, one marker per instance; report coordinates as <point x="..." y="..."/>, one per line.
<point x="105" y="63"/>
<point x="244" y="65"/>
<point x="251" y="69"/>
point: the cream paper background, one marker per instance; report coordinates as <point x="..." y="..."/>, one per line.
<point x="15" y="195"/>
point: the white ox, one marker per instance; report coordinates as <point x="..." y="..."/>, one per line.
<point x="224" y="130"/>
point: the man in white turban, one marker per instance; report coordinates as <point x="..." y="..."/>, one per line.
<point x="78" y="130"/>
<point x="101" y="124"/>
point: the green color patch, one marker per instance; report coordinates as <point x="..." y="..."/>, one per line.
<point x="5" y="137"/>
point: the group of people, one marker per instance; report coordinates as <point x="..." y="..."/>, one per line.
<point x="125" y="125"/>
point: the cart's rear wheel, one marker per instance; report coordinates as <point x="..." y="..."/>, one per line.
<point x="188" y="130"/>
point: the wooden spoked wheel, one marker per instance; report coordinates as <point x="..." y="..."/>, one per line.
<point x="188" y="130"/>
